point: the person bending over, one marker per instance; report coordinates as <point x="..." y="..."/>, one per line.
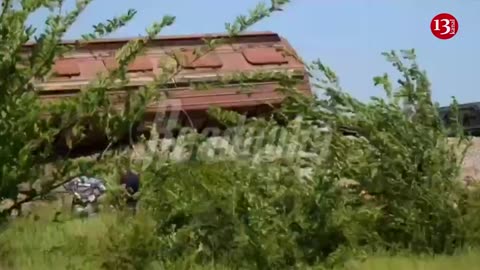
<point x="131" y="183"/>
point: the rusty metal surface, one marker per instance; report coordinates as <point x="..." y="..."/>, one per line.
<point x="66" y="67"/>
<point x="264" y="56"/>
<point x="247" y="53"/>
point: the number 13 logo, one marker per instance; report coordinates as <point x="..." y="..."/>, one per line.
<point x="444" y="26"/>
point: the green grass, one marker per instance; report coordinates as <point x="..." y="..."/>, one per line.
<point x="79" y="244"/>
<point x="463" y="261"/>
<point x="45" y="245"/>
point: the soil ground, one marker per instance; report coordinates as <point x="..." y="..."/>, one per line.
<point x="471" y="164"/>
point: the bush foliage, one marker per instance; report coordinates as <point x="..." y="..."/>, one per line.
<point x="318" y="182"/>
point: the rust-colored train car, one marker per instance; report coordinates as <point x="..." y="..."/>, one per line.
<point x="247" y="53"/>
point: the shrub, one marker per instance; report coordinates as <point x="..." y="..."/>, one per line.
<point x="273" y="197"/>
<point x="266" y="209"/>
<point x="400" y="160"/>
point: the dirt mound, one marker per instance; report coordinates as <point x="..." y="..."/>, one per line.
<point x="471" y="164"/>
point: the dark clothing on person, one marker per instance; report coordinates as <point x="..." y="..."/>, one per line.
<point x="131" y="182"/>
<point x="132" y="186"/>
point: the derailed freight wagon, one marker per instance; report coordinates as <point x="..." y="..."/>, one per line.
<point x="264" y="52"/>
<point x="468" y="114"/>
